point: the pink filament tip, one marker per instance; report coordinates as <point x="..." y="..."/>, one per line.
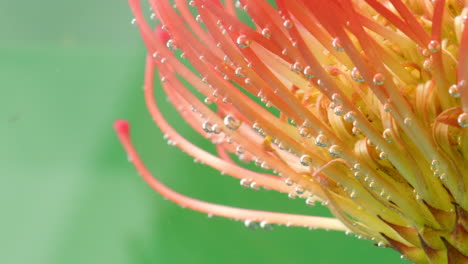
<point x="122" y="127"/>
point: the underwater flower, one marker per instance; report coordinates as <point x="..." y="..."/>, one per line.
<point x="359" y="104"/>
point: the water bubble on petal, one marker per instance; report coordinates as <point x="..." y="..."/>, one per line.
<point x="171" y="45"/>
<point x="299" y="190"/>
<point x="308" y="72"/>
<point x="350" y="116"/>
<point x="305" y="160"/>
<point x="296" y="66"/>
<point x="239" y="72"/>
<point x="240" y="150"/>
<point x="378" y="79"/>
<point x="428" y="64"/>
<point x="387" y="107"/>
<point x="310" y="201"/>
<point x="321" y="140"/>
<point x="250" y="224"/>
<point x="207" y="127"/>
<point x="463" y="119"/>
<point x="243" y="41"/>
<point x="231" y="122"/>
<point x="387" y="135"/>
<point x="337" y="44"/>
<point x="433" y="46"/>
<point x="245" y="183"/>
<point x="133" y="21"/>
<point x="335" y="151"/>
<point x="265" y="226"/>
<point x="383" y="155"/>
<point x="254" y="186"/>
<point x="339" y="111"/>
<point x="435" y="164"/>
<point x="288" y="24"/>
<point x="356" y="75"/>
<point x="266" y="32"/>
<point x="408" y="121"/>
<point x="358" y="174"/>
<point x="454" y="91"/>
<point x="207" y="100"/>
<point x="289" y="182"/>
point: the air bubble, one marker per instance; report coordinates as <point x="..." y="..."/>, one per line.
<point x="337" y="44"/>
<point x="265" y="226"/>
<point x="356" y="75"/>
<point x="266" y="32"/>
<point x="433" y="46"/>
<point x="378" y="79"/>
<point x="243" y="41"/>
<point x="321" y="140"/>
<point x="250" y="224"/>
<point x="350" y="116"/>
<point x="308" y="72"/>
<point x="335" y="151"/>
<point x="463" y="120"/>
<point x="239" y="72"/>
<point x="287" y="24"/>
<point x="454" y="91"/>
<point x="387" y="135"/>
<point x="171" y="45"/>
<point x="305" y="160"/>
<point x="296" y="66"/>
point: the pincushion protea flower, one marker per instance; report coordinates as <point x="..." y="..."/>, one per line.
<point x="371" y="119"/>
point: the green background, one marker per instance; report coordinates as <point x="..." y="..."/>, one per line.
<point x="68" y="69"/>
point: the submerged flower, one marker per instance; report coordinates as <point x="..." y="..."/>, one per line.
<point x="362" y="105"/>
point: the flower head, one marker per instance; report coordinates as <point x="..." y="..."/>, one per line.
<point x="362" y="105"/>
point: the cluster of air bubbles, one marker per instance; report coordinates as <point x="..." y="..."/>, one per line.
<point x="249" y="183"/>
<point x="356" y="130"/>
<point x="208" y="127"/>
<point x="231" y="122"/>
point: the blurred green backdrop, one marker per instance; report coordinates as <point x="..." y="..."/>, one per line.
<point x="67" y="71"/>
